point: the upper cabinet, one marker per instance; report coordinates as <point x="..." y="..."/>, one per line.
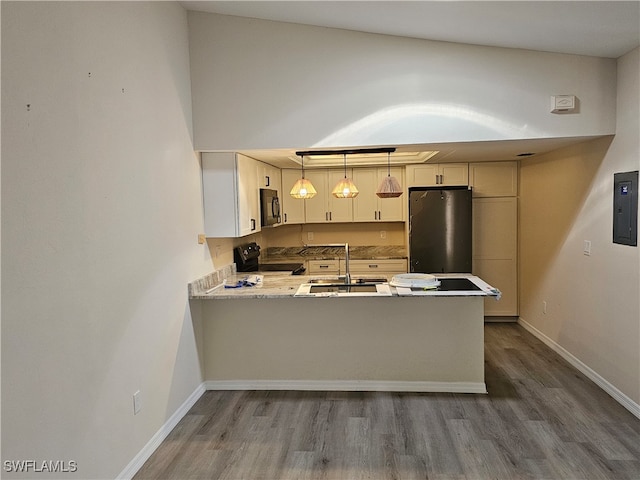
<point x="367" y="206"/>
<point x="231" y="195"/>
<point x="494" y="179"/>
<point x="268" y="176"/>
<point x="324" y="207"/>
<point x="292" y="209"/>
<point x="434" y="175"/>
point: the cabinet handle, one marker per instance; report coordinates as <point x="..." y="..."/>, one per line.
<point x="375" y="215"/>
<point x="373" y="265"/>
<point x="323" y="266"/>
<point x="379" y="215"/>
<point x="268" y="181"/>
<point x="253" y="224"/>
<point x="326" y="216"/>
<point x="285" y="218"/>
<point x="330" y="216"/>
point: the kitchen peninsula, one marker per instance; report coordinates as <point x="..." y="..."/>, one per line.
<point x="266" y="337"/>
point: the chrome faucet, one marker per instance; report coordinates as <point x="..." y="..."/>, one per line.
<point x="347" y="275"/>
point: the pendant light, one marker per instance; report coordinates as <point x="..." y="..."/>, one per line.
<point x="390" y="186"/>
<point x="345" y="188"/>
<point x="303" y="188"/>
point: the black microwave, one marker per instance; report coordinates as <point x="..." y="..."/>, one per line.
<point x="269" y="207"/>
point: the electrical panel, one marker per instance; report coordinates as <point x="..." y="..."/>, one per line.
<point x="625" y="208"/>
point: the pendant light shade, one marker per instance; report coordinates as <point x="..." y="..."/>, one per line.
<point x="390" y="186"/>
<point x="303" y="188"/>
<point x="345" y="188"/>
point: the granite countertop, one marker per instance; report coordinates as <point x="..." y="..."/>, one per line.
<point x="279" y="285"/>
<point x="356" y="252"/>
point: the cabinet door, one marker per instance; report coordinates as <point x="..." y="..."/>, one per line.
<point x="340" y="209"/>
<point x="316" y="208"/>
<point x="365" y="205"/>
<point x="324" y="207"/>
<point x="378" y="267"/>
<point x="269" y="177"/>
<point x="248" y="196"/>
<point x="454" y="174"/>
<point x="292" y="208"/>
<point x="324" y="267"/>
<point x="422" y="175"/>
<point x="494" y="179"/>
<point x="434" y="175"/>
<point x="231" y="195"/>
<point x="495" y="246"/>
<point x="391" y="209"/>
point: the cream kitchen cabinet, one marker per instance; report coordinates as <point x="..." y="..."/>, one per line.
<point x="367" y="206"/>
<point x="385" y="267"/>
<point x="494" y="179"/>
<point x="231" y="195"/>
<point x="324" y="207"/>
<point x="495" y="249"/>
<point x="437" y="174"/>
<point x="323" y="267"/>
<point x="291" y="209"/>
<point x="268" y="176"/>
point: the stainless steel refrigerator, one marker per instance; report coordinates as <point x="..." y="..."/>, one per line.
<point x="440" y="230"/>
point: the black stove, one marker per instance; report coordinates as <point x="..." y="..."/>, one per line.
<point x="246" y="260"/>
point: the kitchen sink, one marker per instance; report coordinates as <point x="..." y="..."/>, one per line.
<point x="340" y="281"/>
<point x="343" y="289"/>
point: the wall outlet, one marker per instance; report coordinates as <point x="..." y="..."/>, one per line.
<point x="586" y="248"/>
<point x="216" y="252"/>
<point x="136" y="403"/>
<point x="544" y="307"/>
<point x="383" y="234"/>
<point x="202" y="239"/>
<point x="309" y="235"/>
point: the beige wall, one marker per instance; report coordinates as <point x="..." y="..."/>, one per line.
<point x="593" y="310"/>
<point x="101" y="208"/>
<point x="221" y="249"/>
<point x="293" y="86"/>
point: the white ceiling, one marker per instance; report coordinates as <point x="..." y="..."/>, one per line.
<point x="596" y="28"/>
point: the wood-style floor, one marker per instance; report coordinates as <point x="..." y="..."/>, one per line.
<point x="541" y="419"/>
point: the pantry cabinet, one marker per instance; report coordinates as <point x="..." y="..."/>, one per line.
<point x="367" y="206"/>
<point x="292" y="209"/>
<point x="436" y="175"/>
<point x="324" y="207"/>
<point x="231" y="195"/>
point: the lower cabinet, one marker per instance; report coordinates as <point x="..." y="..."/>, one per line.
<point x="386" y="267"/>
<point x="378" y="267"/>
<point x="323" y="267"/>
<point x="495" y="248"/>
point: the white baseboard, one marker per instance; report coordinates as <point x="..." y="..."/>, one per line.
<point x="151" y="446"/>
<point x="347" y="386"/>
<point x="617" y="395"/>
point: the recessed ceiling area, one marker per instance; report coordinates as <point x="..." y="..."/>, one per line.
<point x="485" y="151"/>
